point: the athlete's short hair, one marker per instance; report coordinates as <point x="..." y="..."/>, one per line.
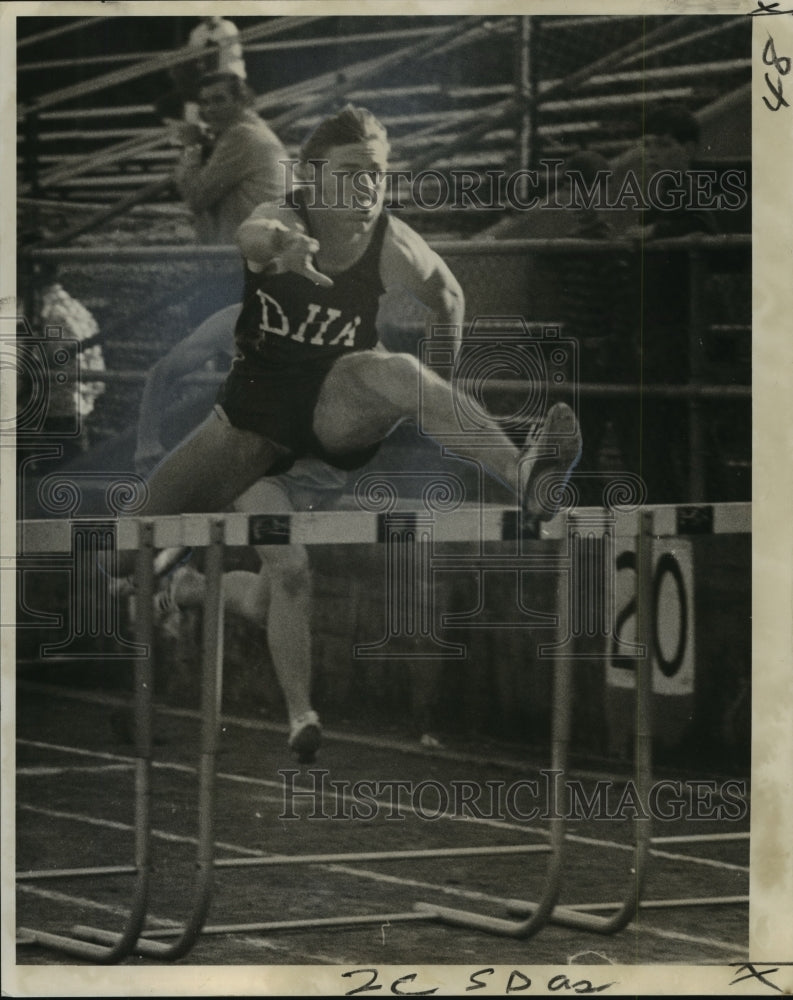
<point x="238" y="88"/>
<point x="349" y="125"/>
<point x="672" y="119"/>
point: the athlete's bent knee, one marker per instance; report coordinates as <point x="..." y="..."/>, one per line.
<point x="375" y="371"/>
<point x="400" y="366"/>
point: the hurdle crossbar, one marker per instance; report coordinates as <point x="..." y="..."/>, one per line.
<point x="468" y="523"/>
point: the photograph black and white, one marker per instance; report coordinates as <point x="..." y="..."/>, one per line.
<point x="395" y="510"/>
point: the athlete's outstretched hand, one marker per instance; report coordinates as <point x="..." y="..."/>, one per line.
<point x="295" y="253"/>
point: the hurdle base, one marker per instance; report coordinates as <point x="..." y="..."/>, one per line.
<point x="566" y="916"/>
<point x="477" y="921"/>
<point x="147" y="949"/>
<point x="28" y="937"/>
<point x="519" y="909"/>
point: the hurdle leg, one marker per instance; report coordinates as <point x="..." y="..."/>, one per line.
<point x="121" y="945"/>
<point x="211" y="694"/>
<point x="538" y="913"/>
<point x="642" y="745"/>
<point x="628" y="908"/>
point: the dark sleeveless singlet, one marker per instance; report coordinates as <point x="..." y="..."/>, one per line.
<point x="288" y="335"/>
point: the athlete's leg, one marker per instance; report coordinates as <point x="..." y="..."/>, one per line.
<point x="204" y="473"/>
<point x="209" y="469"/>
<point x="277" y="598"/>
<point x="366" y="394"/>
<point x="280" y="599"/>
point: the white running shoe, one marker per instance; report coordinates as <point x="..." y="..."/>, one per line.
<point x="305" y="736"/>
<point x="122" y="586"/>
<point x="167" y="613"/>
<point x="553" y="448"/>
<point x="167" y="560"/>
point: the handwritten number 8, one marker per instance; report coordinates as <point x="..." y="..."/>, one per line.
<point x="782" y="65"/>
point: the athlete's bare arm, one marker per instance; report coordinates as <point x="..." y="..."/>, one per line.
<point x="407" y="262"/>
<point x="214" y="335"/>
<point x="274" y="237"/>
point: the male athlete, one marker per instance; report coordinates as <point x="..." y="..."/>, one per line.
<point x="310" y="377"/>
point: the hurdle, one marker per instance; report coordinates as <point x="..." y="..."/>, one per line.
<point x="494" y="524"/>
<point x="727" y="518"/>
<point x="123" y="942"/>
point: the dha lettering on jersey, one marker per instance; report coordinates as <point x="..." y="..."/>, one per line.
<point x="287" y="319"/>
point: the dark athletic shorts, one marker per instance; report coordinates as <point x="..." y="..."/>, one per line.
<point x="279" y="405"/>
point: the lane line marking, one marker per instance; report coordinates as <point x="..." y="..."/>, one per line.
<point x="369" y="875"/>
<point x="379" y="742"/>
<point x="501" y="825"/>
<point x="51" y="772"/>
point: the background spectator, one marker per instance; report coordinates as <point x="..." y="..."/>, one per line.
<point x="66" y="325"/>
<point x="225" y="171"/>
<point x="232" y="166"/>
<point x="221" y="38"/>
<point x="216" y="42"/>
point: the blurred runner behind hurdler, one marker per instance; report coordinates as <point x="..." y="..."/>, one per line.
<point x="277" y="598"/>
